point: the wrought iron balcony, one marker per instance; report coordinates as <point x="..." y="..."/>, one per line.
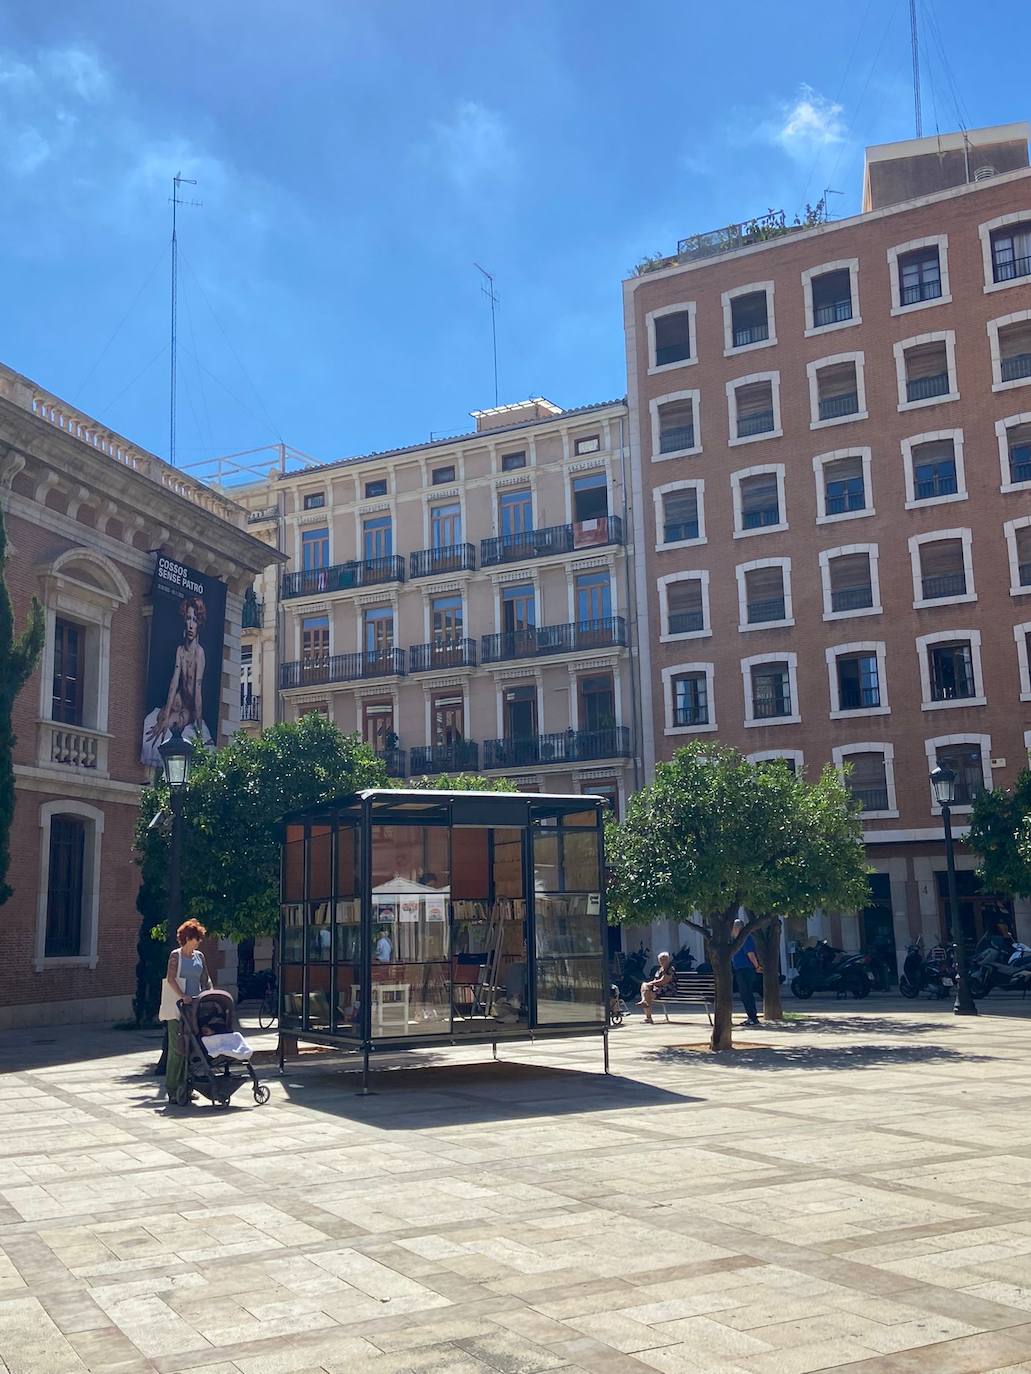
<point x="871" y="798"/>
<point x="1011" y="269"/>
<point x="340" y="577"/>
<point x="463" y="756"/>
<point x="756" y="519"/>
<point x="342" y="668"/>
<point x="450" y="558"/>
<point x="250" y="708"/>
<point x="834" y="407"/>
<point x="939" y="585"/>
<point x="760" y="422"/>
<point x="750" y="334"/>
<point x="834" y="313"/>
<point x="686" y="622"/>
<point x="923" y="388"/>
<point x="852" y="697"/>
<point x="687" y="529"/>
<point x="567" y="746"/>
<point x="769" y="706"/>
<point x="941" y="484"/>
<point x="1019" y="365"/>
<point x="253" y="616"/>
<point x="555" y="539"/>
<point x="675" y="438"/>
<point x="952" y="686"/>
<point x="766" y="608"/>
<point x="537" y="641"/>
<point x="851" y="598"/>
<point x="920" y="291"/>
<point x="452" y="653"/>
<point x="254" y="517"/>
<point x="691" y="715"/>
<point x="672" y="353"/>
<point x="395" y="760"/>
<point x="848" y="501"/>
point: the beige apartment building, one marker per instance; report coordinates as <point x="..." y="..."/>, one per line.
<point x="465" y="605"/>
<point x="830" y="431"/>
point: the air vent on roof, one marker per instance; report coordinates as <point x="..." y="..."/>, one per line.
<point x="983" y="173"/>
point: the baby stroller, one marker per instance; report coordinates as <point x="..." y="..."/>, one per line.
<point x="214" y="1051"/>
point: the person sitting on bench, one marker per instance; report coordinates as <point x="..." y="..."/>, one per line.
<point x="660" y="982"/>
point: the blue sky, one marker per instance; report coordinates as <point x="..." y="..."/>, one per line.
<point x="355" y="158"/>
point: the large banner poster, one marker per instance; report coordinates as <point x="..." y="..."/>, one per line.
<point x="184" y="679"/>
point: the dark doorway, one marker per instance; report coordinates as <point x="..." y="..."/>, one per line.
<point x="877" y="931"/>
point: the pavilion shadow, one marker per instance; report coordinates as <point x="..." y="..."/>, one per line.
<point x="785" y="1056"/>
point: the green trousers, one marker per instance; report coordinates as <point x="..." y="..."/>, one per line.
<point x="175" y="1067"/>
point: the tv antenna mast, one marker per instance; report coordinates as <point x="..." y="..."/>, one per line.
<point x="915" y="39"/>
<point x="492" y="296"/>
<point x="178" y="181"/>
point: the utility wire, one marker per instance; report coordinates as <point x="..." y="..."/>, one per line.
<point x="892" y="16"/>
<point x="145" y="368"/>
<point x="934" y="30"/>
<point x="200" y="376"/>
<point x="841" y="91"/>
<point x="118" y="327"/>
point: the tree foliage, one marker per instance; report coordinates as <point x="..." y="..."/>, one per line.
<point x="713" y="834"/>
<point x="19" y="655"/>
<point x="460" y="782"/>
<point x="1000" y="832"/>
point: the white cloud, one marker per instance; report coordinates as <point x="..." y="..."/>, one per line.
<point x="473" y="146"/>
<point x="810" y="122"/>
<point x="79" y="71"/>
<point x="41" y="104"/>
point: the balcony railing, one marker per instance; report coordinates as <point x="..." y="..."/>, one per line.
<point x="770" y="707"/>
<point x="339" y="577"/>
<point x="942" y="484"/>
<point x="750" y="334"/>
<point x="1015" y="267"/>
<point x="453" y="653"/>
<point x="833" y="407"/>
<point x="253" y="616"/>
<point x="952" y="687"/>
<point x="853" y="698"/>
<point x="536" y="641"/>
<point x="766" y="608"/>
<point x="760" y="422"/>
<point x="568" y="746"/>
<point x="342" y="668"/>
<point x="671" y="353"/>
<point x="686" y="622"/>
<point x="395" y="761"/>
<point x="923" y="388"/>
<point x="691" y="715"/>
<point x="250" y="708"/>
<point x="1019" y="365"/>
<point x="756" y="519"/>
<point x="943" y="584"/>
<point x="920" y="291"/>
<point x="851" y="598"/>
<point x="871" y="798"/>
<point x="463" y="756"/>
<point x="848" y="501"/>
<point x="255" y="517"/>
<point x="677" y="437"/>
<point x="834" y="313"/>
<point x="449" y="559"/>
<point x="687" y="529"/>
<point x="73" y="746"/>
<point x="555" y="539"/>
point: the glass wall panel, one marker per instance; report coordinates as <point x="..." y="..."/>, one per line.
<point x="318" y="1003"/>
<point x="293" y="934"/>
<point x="293" y="864"/>
<point x="411" y="983"/>
<point x="568" y="934"/>
<point x="347" y="861"/>
<point x="411" y="854"/>
<point x="566" y="861"/>
<point x="319" y="932"/>
<point x="320" y="841"/>
<point x="347" y="931"/>
<point x="291" y="992"/>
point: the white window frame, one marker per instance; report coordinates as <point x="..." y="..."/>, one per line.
<point x="698" y="483"/>
<point x="863" y="646"/>
<point x="770" y="755"/>
<point x="653" y="407"/>
<point x="932" y="436"/>
<point x="678" y="670"/>
<point x="728" y="320"/>
<point x="813" y="368"/>
<point x="698" y="575"/>
<point x="924" y="643"/>
<point x="807" y="291"/>
<point x="742" y="571"/>
<point x="1010" y="531"/>
<point x="820" y="462"/>
<point x="1020" y="634"/>
<point x="985" y="233"/>
<point x="939" y="241"/>
<point x="754" y="661"/>
<point x="948" y="338"/>
<point x="1001" y="427"/>
<point x="682" y="307"/>
<point x="931" y="748"/>
<point x="840" y="755"/>
<point x="776" y="432"/>
<point x="993" y="326"/>
<point x="736" y="478"/>
<point x="94" y="818"/>
<point x="827" y="556"/>
<point x="916" y="543"/>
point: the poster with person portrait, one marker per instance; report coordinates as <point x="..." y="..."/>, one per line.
<point x="184" y="676"/>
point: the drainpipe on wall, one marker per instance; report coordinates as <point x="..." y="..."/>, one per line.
<point x="632" y="608"/>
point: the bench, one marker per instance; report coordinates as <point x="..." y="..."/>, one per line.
<point x="691" y="987"/>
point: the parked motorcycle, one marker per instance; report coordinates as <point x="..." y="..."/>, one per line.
<point x="822" y="968"/>
<point x="684" y="960"/>
<point x="933" y="973"/>
<point x="631" y="973"/>
<point x="993" y="966"/>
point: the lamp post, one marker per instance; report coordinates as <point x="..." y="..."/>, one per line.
<point x="943" y="781"/>
<point x="176" y="756"/>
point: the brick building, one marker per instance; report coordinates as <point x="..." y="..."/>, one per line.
<point x="85" y="511"/>
<point x="830" y="431"/>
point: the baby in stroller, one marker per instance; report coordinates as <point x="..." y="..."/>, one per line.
<point x="215" y="1051"/>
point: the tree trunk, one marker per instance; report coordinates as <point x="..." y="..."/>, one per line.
<point x="768" y="941"/>
<point x="723" y="1012"/>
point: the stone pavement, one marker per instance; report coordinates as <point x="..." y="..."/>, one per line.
<point x="856" y="1197"/>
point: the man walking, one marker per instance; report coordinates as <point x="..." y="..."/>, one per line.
<point x="747" y="972"/>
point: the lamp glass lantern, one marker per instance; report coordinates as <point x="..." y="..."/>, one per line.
<point x="176" y="756"/>
<point x="943" y="781"/>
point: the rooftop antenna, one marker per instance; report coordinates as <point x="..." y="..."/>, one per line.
<point x="828" y="191"/>
<point x="178" y="181"/>
<point x="915" y="39"/>
<point x="492" y="296"/>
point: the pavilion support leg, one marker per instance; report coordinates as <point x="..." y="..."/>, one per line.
<point x="605" y="1049"/>
<point x="364" y="1092"/>
<point x="281" y="1054"/>
<point x="494" y="1048"/>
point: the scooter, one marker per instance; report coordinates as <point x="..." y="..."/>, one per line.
<point x="994" y="967"/>
<point x="934" y="973"/>
<point x="822" y="968"/>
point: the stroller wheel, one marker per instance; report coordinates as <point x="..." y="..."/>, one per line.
<point x="262" y="1094"/>
<point x="183" y="1095"/>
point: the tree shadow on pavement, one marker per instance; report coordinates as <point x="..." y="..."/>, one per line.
<point x="786" y="1056"/>
<point x="858" y="1024"/>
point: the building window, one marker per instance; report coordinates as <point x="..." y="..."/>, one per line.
<point x="868" y="777"/>
<point x="685" y="598"/>
<point x="842" y="485"/>
<point x="1014" y="435"/>
<point x="926" y="370"/>
<point x="377" y="538"/>
<point x="65" y="887"/>
<point x="966" y="755"/>
<point x="511" y="461"/>
<point x="69" y="670"/>
<point x="850" y="586"/>
<point x="515" y="511"/>
<point x="837" y="392"/>
<point x="447" y="719"/>
<point x="378" y="626"/>
<point x="792" y="759"/>
<point x="596" y="702"/>
<point x="1011" y="252"/>
<point x="764" y="597"/>
<point x="942" y="569"/>
<point x="377" y="487"/>
<point x="674" y="424"/>
<point x="590" y="497"/>
<point x="950" y="669"/>
<point x="446" y="615"/>
<point x="671" y="335"/>
<point x="607" y="789"/>
<point x="246" y="675"/>
<point x="519" y="712"/>
<point x="315" y="500"/>
<point x="679" y="514"/>
<point x="1022" y="636"/>
<point x="378" y="726"/>
<point x="1010" y="342"/>
<point x="857" y="679"/>
<point x="590" y="443"/>
<point x="748" y="317"/>
<point x="831" y="297"/>
<point x="518" y="608"/>
<point x="753" y="408"/>
<point x="315" y="639"/>
<point x="920" y="276"/>
<point x="593" y="597"/>
<point x="934" y="468"/>
<point x="1018" y="548"/>
<point x="445" y="526"/>
<point x="758" y="496"/>
<point x="439" y="476"/>
<point x="690" y="699"/>
<point x="770" y="691"/>
<point x="314" y="549"/>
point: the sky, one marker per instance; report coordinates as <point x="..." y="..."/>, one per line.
<point x="355" y="158"/>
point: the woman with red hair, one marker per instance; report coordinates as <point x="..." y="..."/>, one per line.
<point x="185" y="978"/>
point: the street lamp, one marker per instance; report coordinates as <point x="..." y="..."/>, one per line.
<point x="943" y="782"/>
<point x="176" y="755"/>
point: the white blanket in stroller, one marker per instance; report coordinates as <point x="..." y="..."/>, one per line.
<point x="231" y="1046"/>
